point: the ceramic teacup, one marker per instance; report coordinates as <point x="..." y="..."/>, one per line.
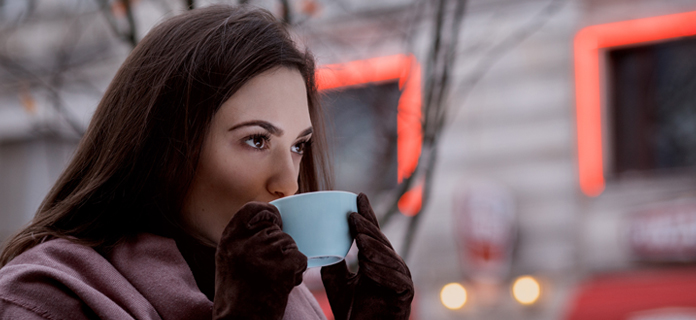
<point x="318" y="222"/>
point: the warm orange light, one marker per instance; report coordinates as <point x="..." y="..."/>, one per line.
<point x="400" y="67"/>
<point x="27" y="100"/>
<point x="411" y="202"/>
<point x="364" y="71"/>
<point x="405" y="69"/>
<point x="119" y="7"/>
<point x="310" y="7"/>
<point x="526" y="290"/>
<point x="588" y="44"/>
<point x="589" y="127"/>
<point x="453" y="296"/>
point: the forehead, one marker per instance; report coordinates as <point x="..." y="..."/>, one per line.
<point x="278" y="96"/>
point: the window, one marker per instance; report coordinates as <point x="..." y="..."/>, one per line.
<point x="363" y="136"/>
<point x="375" y="105"/>
<point x="591" y="43"/>
<point x="653" y="106"/>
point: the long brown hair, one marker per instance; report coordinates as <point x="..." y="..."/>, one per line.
<point x="137" y="159"/>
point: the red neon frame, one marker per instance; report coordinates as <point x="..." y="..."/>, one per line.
<point x="589" y="43"/>
<point x="406" y="70"/>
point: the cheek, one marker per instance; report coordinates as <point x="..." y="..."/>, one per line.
<point x="224" y="182"/>
<point x="235" y="179"/>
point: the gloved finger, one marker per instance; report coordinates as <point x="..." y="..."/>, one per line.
<point x="282" y="248"/>
<point x="339" y="283"/>
<point x="365" y="209"/>
<point x="277" y="249"/>
<point x="271" y="240"/>
<point x="361" y="225"/>
<point x="242" y="218"/>
<point x="372" y="251"/>
<point x="268" y="215"/>
<point x="299" y="260"/>
<point x="399" y="283"/>
<point x="336" y="275"/>
<point x="285" y="242"/>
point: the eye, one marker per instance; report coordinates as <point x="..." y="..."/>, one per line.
<point x="300" y="147"/>
<point x="257" y="141"/>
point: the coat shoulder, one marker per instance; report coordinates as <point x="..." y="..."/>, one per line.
<point x="61" y="279"/>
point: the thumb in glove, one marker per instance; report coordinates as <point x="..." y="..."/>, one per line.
<point x="256" y="265"/>
<point x="382" y="288"/>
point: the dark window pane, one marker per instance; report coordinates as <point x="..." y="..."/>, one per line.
<point x="653" y="92"/>
<point x="364" y="138"/>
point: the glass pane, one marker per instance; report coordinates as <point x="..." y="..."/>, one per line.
<point x="362" y="134"/>
<point x="654" y="106"/>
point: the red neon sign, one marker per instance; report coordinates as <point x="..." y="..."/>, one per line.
<point x="589" y="43"/>
<point x="406" y="70"/>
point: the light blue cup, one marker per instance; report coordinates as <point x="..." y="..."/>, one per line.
<point x="318" y="222"/>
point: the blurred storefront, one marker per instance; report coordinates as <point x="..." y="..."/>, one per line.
<point x="633" y="295"/>
<point x="595" y="224"/>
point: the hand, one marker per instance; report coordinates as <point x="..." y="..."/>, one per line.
<point x="382" y="287"/>
<point x="256" y="265"/>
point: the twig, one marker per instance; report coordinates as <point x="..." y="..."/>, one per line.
<point x="492" y="56"/>
<point x="58" y="103"/>
<point x="442" y="56"/>
<point x="287" y="13"/>
<point x="131" y="35"/>
<point x="435" y="125"/>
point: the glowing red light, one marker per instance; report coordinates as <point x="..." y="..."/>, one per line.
<point x="589" y="43"/>
<point x="406" y="70"/>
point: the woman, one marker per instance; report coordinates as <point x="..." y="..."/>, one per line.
<point x="163" y="212"/>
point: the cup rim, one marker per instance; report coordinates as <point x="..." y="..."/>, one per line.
<point x="299" y="195"/>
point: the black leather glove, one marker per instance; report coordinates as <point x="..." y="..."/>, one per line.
<point x="256" y="265"/>
<point x="382" y="287"/>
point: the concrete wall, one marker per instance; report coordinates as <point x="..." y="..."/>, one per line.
<point x="28" y="169"/>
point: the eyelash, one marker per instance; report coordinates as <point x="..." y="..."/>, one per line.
<point x="264" y="136"/>
<point x="304" y="144"/>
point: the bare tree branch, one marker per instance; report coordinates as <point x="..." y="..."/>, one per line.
<point x="130" y="35"/>
<point x="287" y="12"/>
<point x="438" y="105"/>
<point x="439" y="60"/>
<point x="432" y="130"/>
<point x="58" y="104"/>
<point x="497" y="51"/>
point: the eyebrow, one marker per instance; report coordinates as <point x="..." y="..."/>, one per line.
<point x="268" y="127"/>
<point x="306" y="132"/>
<point x="263" y="124"/>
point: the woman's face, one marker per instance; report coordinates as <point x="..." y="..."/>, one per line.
<point x="252" y="150"/>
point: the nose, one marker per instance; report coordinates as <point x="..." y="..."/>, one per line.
<point x="283" y="178"/>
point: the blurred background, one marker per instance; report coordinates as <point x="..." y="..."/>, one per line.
<point x="530" y="159"/>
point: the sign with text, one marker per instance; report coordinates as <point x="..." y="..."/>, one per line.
<point x="665" y="314"/>
<point x="664" y="233"/>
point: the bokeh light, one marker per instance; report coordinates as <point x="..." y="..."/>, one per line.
<point x="526" y="290"/>
<point x="453" y="296"/>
